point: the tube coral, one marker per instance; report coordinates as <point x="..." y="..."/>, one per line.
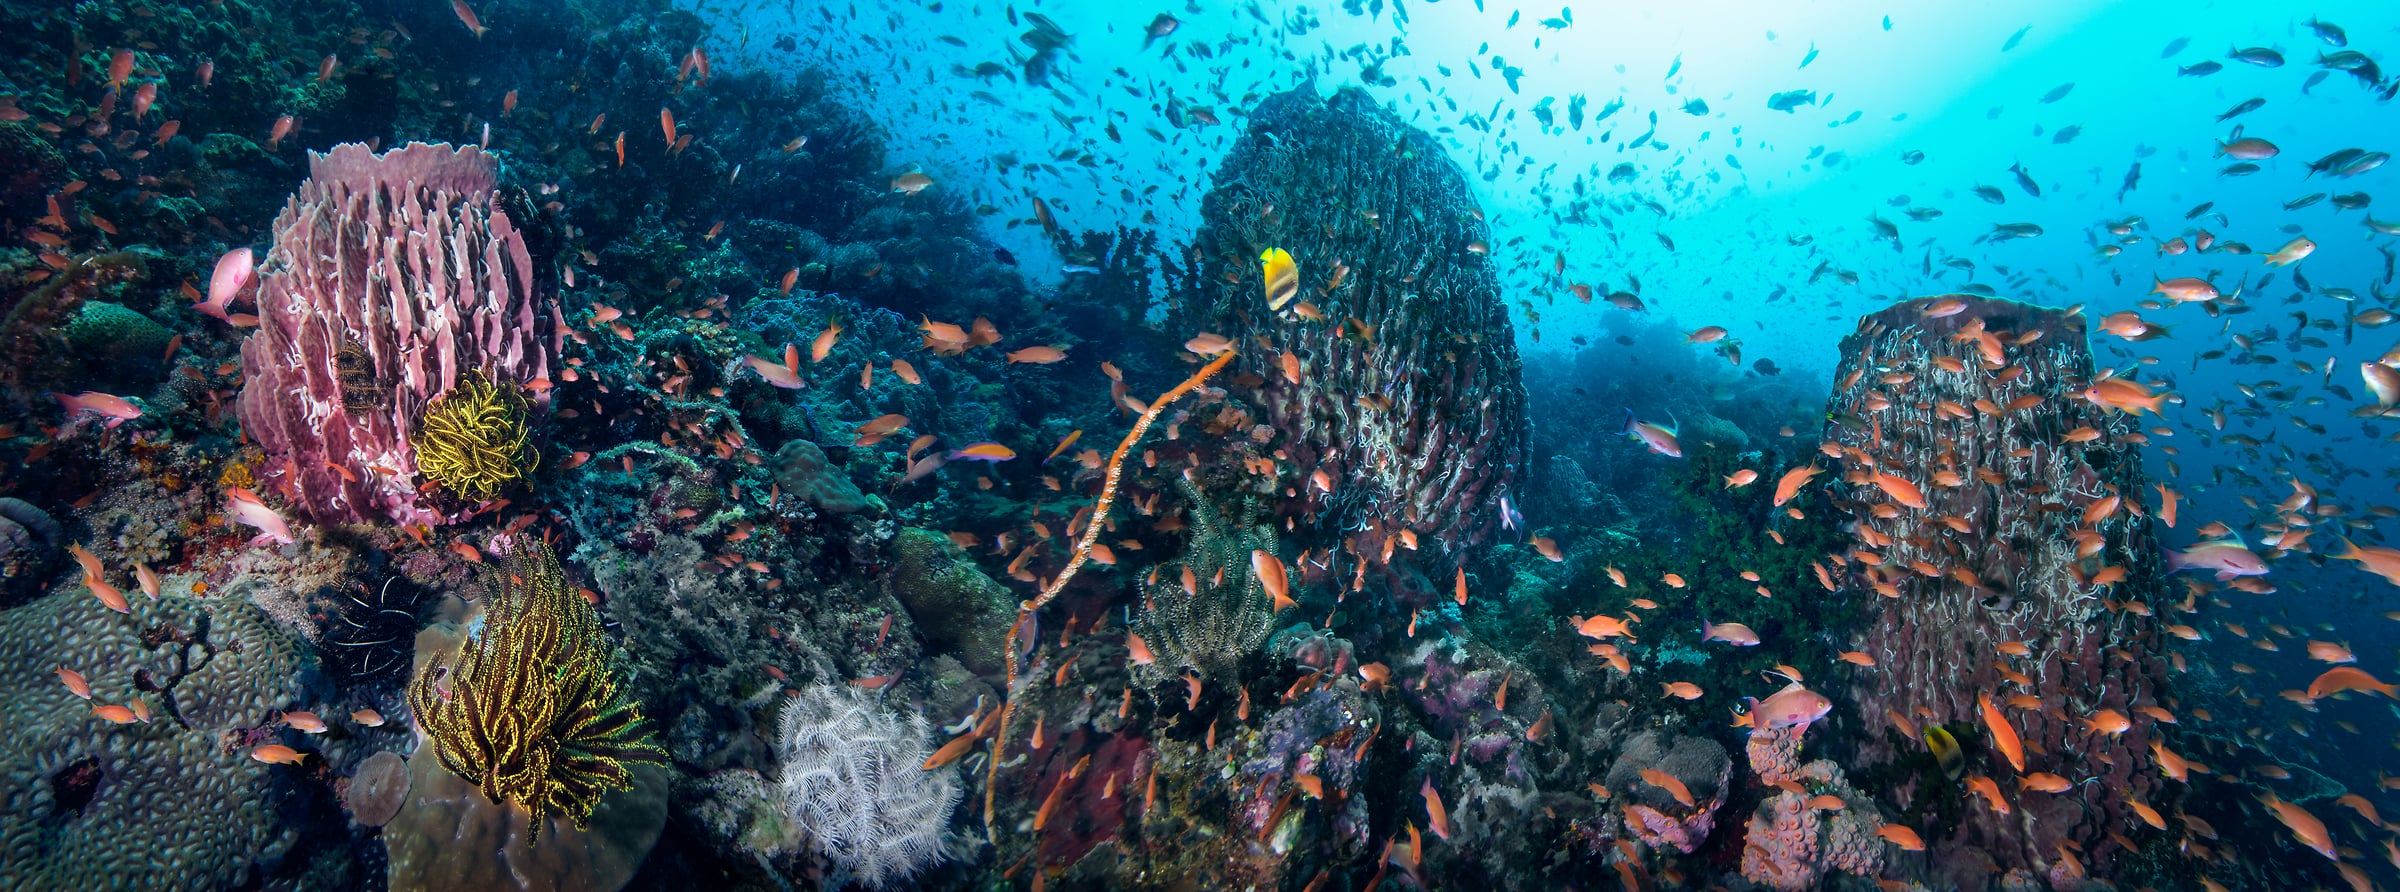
<point x="530" y="710"/>
<point x="473" y="439"/>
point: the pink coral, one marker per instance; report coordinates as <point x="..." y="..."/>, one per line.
<point x="1659" y="829"/>
<point x="1775" y="753"/>
<point x="391" y="276"/>
<point x="1780" y="851"/>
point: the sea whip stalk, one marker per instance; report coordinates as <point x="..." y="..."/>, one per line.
<point x="1083" y="550"/>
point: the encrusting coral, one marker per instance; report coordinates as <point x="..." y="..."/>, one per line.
<point x="473" y="439"/>
<point x="530" y="711"/>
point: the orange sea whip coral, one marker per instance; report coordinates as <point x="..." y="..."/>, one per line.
<point x="1083" y="550"/>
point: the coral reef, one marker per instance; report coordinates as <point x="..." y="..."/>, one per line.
<point x="2046" y="551"/>
<point x="33" y="333"/>
<point x="112" y="339"/>
<point x="170" y="803"/>
<point x="29" y="550"/>
<point x="392" y="276"/>
<point x="529" y="710"/>
<point x="803" y="473"/>
<point x="1654" y="814"/>
<point x="1392" y="258"/>
<point x="958" y="608"/>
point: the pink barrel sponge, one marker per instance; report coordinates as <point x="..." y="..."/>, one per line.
<point x="392" y="274"/>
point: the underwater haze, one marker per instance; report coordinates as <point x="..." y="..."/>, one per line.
<point x="1385" y="444"/>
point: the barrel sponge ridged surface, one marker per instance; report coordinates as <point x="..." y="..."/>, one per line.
<point x="172" y="808"/>
<point x="1393" y="253"/>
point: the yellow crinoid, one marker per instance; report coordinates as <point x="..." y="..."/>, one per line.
<point x="530" y="710"/>
<point x="474" y="439"/>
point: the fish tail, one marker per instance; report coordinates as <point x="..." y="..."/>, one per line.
<point x="2176" y="560"/>
<point x="2354" y="553"/>
<point x="1628" y="420"/>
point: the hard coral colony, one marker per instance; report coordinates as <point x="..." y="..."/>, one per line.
<point x="425" y="472"/>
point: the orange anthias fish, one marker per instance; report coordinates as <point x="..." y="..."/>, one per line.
<point x="2306" y="827"/>
<point x="276" y="753"/>
<point x="1668" y="782"/>
<point x="74" y="681"/>
<point x="1989" y="789"/>
<point x="1043" y="355"/>
<point x="991" y="452"/>
<point x="1792" y="480"/>
<point x="1900" y="490"/>
<point x="1437" y="817"/>
<point x="466" y="16"/>
<point x="1902" y="837"/>
<point x="2004" y="735"/>
<point x="2348" y="678"/>
<point x="823" y="345"/>
<point x="1605" y="627"/>
<point x="2125" y="395"/>
<point x="1274" y="577"/>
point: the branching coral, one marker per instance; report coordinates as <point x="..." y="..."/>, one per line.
<point x="473" y="439"/>
<point x="530" y="711"/>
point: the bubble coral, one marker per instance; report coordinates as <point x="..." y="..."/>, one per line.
<point x="473" y="439"/>
<point x="529" y="710"/>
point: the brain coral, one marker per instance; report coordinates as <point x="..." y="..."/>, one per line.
<point x="91" y="805"/>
